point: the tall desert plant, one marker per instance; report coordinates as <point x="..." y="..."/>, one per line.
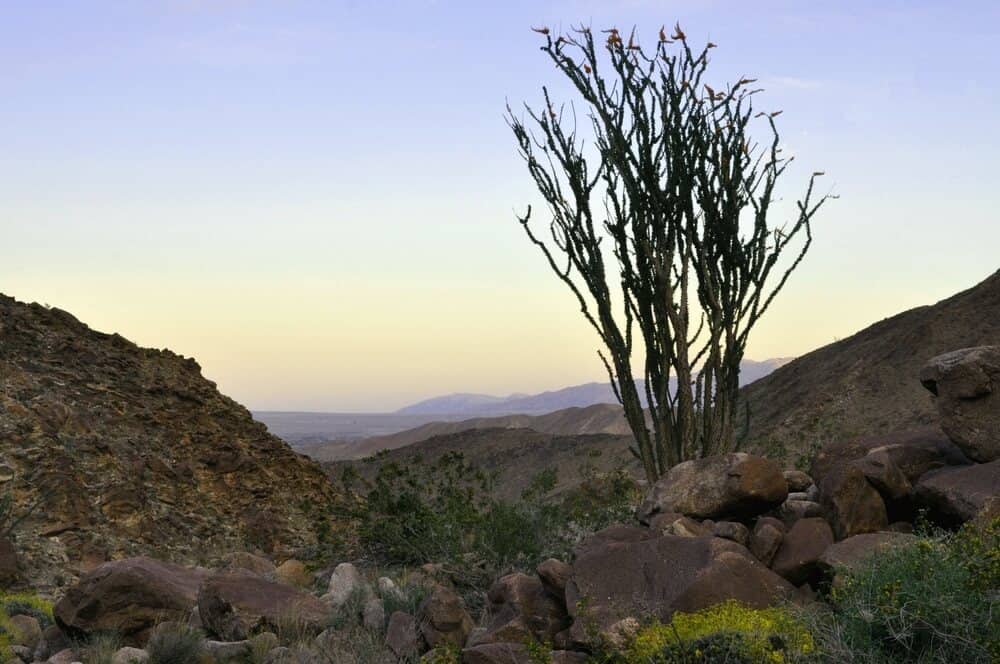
<point x="672" y="207"/>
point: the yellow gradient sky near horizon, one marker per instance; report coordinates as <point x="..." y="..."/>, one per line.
<point x="316" y="199"/>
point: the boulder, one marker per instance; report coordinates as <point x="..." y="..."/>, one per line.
<point x="801" y="547"/>
<point x="913" y="451"/>
<point x="345" y="582"/>
<point x="373" y="614"/>
<point x="631" y="577"/>
<point x="402" y="636"/>
<point x="554" y="575"/>
<point x="129" y="655"/>
<point x="387" y="588"/>
<point x="851" y="504"/>
<point x="128" y="596"/>
<point x="967" y="386"/>
<point x="766" y="538"/>
<point x="249" y="562"/>
<point x="732" y="530"/>
<point x="882" y="473"/>
<point x="26" y="631"/>
<point x="522" y="609"/>
<point x="294" y="573"/>
<point x="797" y="480"/>
<point x="496" y="653"/>
<point x="443" y="619"/>
<point x="53" y="640"/>
<point x="236" y="604"/>
<point x="685" y="526"/>
<point x="852" y="551"/>
<point x="793" y="510"/>
<point x="957" y="495"/>
<point x="734" y="485"/>
<point x="568" y="657"/>
<point x="21" y="654"/>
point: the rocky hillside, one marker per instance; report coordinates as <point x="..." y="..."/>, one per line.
<point x="516" y="456"/>
<point x="119" y="450"/>
<point x="867" y="383"/>
<point x="598" y="419"/>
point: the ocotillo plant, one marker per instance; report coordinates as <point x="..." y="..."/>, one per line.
<point x="680" y="194"/>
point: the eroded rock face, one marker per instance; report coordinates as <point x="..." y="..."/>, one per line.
<point x="734" y="485"/>
<point x="766" y="538"/>
<point x="236" y="604"/>
<point x="957" y="495"/>
<point x="523" y="609"/>
<point x="627" y="574"/>
<point x="135" y="451"/>
<point x="967" y="386"/>
<point x="129" y="597"/>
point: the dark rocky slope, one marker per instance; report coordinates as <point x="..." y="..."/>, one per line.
<point x="127" y="450"/>
<point x="868" y="383"/>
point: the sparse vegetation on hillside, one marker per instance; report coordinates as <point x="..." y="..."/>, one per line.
<point x="687" y="195"/>
<point x="444" y="512"/>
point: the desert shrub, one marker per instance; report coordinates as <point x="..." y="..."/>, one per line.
<point x="101" y="648"/>
<point x="408" y="598"/>
<point x="175" y="644"/>
<point x="727" y="632"/>
<point x="26" y="604"/>
<point x="447" y="654"/>
<point x="931" y="601"/>
<point x="445" y="512"/>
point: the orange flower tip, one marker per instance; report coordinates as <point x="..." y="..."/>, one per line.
<point x="819" y="173"/>
<point x="541" y="31"/>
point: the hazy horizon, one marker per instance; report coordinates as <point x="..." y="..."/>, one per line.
<point x="316" y="199"/>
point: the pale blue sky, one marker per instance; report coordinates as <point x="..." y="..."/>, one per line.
<point x="316" y="199"/>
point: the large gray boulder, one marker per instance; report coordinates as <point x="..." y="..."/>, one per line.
<point x="624" y="574"/>
<point x="967" y="386"/>
<point x="128" y="597"/>
<point x="736" y="485"/>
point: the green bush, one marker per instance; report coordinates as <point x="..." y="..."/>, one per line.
<point x="727" y="632"/>
<point x="444" y="512"/>
<point x="934" y="600"/>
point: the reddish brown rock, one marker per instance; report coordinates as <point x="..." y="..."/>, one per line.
<point x="522" y="609"/>
<point x="766" y="538"/>
<point x="734" y="485"/>
<point x="851" y="504"/>
<point x="883" y="474"/>
<point x="619" y="578"/>
<point x="128" y="597"/>
<point x="402" y="636"/>
<point x="236" y="604"/>
<point x="443" y="619"/>
<point x="801" y="547"/>
<point x="851" y="552"/>
<point x="732" y="530"/>
<point x="554" y="574"/>
<point x="797" y="480"/>
<point x="496" y="653"/>
<point x="913" y="451"/>
<point x="294" y="573"/>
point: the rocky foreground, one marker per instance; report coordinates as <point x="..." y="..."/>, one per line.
<point x="109" y="450"/>
<point x="730" y="527"/>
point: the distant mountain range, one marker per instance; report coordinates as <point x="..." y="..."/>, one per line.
<point x="577" y="396"/>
